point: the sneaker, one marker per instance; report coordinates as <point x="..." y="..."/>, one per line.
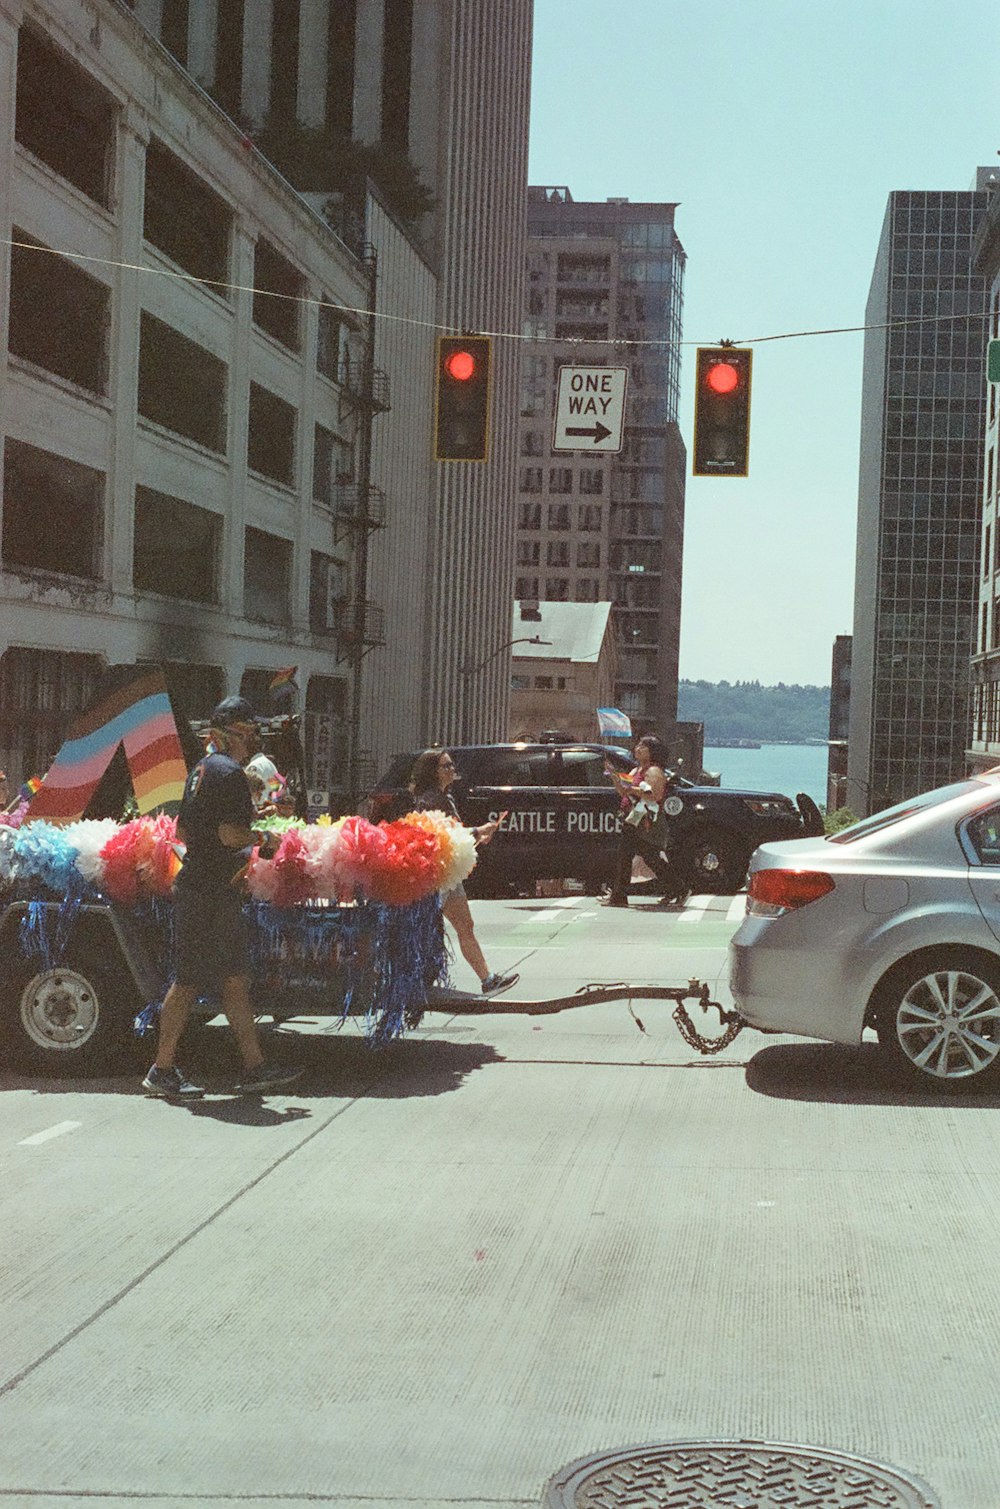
<point x="170" y="1084"/>
<point x="493" y="984"/>
<point x="267" y="1077"/>
<point x="615" y="901"/>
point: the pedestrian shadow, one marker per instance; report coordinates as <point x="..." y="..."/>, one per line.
<point x="335" y="1067"/>
<point x="839" y="1074"/>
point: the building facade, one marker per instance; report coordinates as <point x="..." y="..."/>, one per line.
<point x="984" y="740"/>
<point x="605" y="287"/>
<point x="919" y="499"/>
<point x="180" y="395"/>
<point x="306" y="306"/>
<point x="559" y="683"/>
<point x="397" y="90"/>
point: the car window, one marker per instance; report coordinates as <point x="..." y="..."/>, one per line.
<point x="984" y="835"/>
<point x="902" y="810"/>
<point x="583" y="767"/>
<point x="515" y="767"/>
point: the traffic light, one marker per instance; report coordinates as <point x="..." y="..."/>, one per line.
<point x="461" y="414"/>
<point x="722" y="411"/>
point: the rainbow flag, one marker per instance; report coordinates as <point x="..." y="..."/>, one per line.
<point x="137" y="715"/>
<point x="282" y="678"/>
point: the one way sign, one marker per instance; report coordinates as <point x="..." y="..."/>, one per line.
<point x="590" y="409"/>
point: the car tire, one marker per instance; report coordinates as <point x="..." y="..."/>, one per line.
<point x="73" y="1019"/>
<point x="715" y="864"/>
<point x="925" y="1012"/>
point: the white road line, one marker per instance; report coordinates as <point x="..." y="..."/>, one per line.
<point x="737" y="908"/>
<point x="60" y="1128"/>
<point x="695" y="908"/>
<point x="550" y="914"/>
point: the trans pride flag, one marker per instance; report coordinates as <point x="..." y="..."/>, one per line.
<point x="136" y="714"/>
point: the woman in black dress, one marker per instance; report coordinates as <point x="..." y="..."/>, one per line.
<point x="432" y="775"/>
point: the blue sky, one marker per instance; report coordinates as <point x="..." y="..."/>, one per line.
<point x="780" y="127"/>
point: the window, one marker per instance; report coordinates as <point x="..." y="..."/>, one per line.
<point x="63" y="117"/>
<point x="327" y="592"/>
<point x="526" y="588"/>
<point x="181" y="385"/>
<point x="557" y="553"/>
<point x="543" y="683"/>
<point x="560" y="479"/>
<point x="556" y="589"/>
<point x="530" y="480"/>
<point x="271" y="436"/>
<point x="529" y="516"/>
<point x="185" y="219"/>
<point x="277" y="289"/>
<point x="591" y="480"/>
<point x="532" y="443"/>
<point x="53" y="513"/>
<point x="588" y="553"/>
<point x="520" y="683"/>
<point x="59" y="316"/>
<point x="41" y="692"/>
<point x="588" y="518"/>
<point x="588" y="589"/>
<point x="176" y="548"/>
<point x="558" y="515"/>
<point x="267" y="575"/>
<point x="333" y="464"/>
<point x="331" y="343"/>
<point x="987" y="552"/>
<point x="582" y="767"/>
<point x="527" y="552"/>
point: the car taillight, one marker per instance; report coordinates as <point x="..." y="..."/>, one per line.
<point x="773" y="892"/>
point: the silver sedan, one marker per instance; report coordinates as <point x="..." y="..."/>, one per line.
<point x="892" y="924"/>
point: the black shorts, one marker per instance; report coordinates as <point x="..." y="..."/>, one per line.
<point x="210" y="937"/>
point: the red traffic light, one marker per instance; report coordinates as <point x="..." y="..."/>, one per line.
<point x="722" y="377"/>
<point x="461" y="365"/>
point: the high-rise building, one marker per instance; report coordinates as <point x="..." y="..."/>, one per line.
<point x="605" y="287"/>
<point x="919" y="499"/>
<point x="984" y="742"/>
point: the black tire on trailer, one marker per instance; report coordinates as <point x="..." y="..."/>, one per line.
<point x="937" y="1016"/>
<point x="75" y="1018"/>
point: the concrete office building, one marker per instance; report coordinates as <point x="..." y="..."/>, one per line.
<point x="171" y="438"/>
<point x="919" y="499"/>
<point x="406" y="81"/>
<point x="597" y="527"/>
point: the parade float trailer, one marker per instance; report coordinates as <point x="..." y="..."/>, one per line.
<point x="345" y="920"/>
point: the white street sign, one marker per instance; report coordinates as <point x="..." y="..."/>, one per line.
<point x="590" y="409"/>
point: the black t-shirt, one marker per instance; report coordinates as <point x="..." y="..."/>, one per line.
<point x="217" y="791"/>
<point x="436" y="801"/>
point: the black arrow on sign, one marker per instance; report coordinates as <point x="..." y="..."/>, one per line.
<point x="599" y="432"/>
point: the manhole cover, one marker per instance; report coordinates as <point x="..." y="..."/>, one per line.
<point x="732" y="1475"/>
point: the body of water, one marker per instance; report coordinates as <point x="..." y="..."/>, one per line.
<point x="774" y="767"/>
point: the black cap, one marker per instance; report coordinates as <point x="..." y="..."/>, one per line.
<point x="233" y="710"/>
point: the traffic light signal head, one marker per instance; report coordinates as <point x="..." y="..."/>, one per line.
<point x="461" y="415"/>
<point x="722" y="411"/>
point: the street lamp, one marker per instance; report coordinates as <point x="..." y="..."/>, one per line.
<point x="470" y="670"/>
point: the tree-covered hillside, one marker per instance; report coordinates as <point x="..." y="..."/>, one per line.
<point x="747" y="710"/>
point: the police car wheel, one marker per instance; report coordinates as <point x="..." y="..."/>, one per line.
<point x="716" y="865"/>
<point x="69" y="1019"/>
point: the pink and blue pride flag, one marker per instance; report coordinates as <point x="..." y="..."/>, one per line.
<point x="136" y="715"/>
<point x="613" y="723"/>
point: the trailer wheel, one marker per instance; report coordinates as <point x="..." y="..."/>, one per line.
<point x="68" y="1020"/>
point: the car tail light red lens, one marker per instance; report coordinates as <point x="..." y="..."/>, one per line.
<point x="772" y="892"/>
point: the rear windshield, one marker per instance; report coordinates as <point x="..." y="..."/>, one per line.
<point x="896" y="814"/>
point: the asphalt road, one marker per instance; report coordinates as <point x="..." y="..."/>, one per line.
<point x="435" y="1276"/>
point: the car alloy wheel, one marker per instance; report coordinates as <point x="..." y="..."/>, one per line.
<point x="945" y="1021"/>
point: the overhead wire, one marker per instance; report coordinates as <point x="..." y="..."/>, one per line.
<point x="616" y="342"/>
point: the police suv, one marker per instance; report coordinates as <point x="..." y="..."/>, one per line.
<point x="562" y="816"/>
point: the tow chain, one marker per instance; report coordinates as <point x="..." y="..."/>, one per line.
<point x="734" y="1025"/>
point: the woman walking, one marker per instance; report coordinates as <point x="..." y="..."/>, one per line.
<point x="432" y="775"/>
<point x="643" y="792"/>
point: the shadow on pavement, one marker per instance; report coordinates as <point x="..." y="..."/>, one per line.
<point x="842" y="1075"/>
<point x="335" y="1067"/>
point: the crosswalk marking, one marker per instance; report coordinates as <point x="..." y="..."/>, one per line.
<point x="737" y="908"/>
<point x="60" y="1128"/>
